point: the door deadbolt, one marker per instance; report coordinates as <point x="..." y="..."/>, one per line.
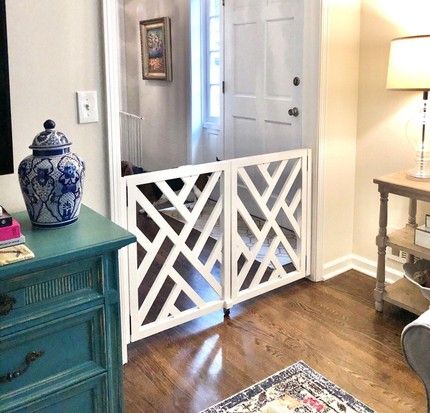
<point x="294" y="112"/>
<point x="296" y="81"/>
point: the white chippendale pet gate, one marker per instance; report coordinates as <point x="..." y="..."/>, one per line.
<point x="213" y="235"/>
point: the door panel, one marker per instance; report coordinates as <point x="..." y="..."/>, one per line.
<point x="245" y="80"/>
<point x="263" y="55"/>
<point x="279" y="60"/>
<point x="277" y="131"/>
<point x="245" y="131"/>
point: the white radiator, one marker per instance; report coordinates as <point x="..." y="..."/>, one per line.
<point x="132" y="138"/>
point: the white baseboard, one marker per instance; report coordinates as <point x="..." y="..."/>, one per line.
<point x="336" y="267"/>
<point x="356" y="262"/>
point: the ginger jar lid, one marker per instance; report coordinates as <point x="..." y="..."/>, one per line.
<point x="50" y="138"/>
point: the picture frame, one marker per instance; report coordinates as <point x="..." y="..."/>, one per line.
<point x="156" y="47"/>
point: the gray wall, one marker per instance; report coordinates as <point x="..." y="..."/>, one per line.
<point x="164" y="105"/>
<point x="55" y="49"/>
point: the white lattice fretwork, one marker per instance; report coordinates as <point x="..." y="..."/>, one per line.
<point x="244" y="232"/>
<point x="169" y="282"/>
<point x="274" y="188"/>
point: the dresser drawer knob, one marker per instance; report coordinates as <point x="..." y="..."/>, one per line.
<point x="29" y="359"/>
<point x="6" y="304"/>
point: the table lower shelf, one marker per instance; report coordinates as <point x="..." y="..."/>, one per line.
<point x="404" y="240"/>
<point x="405" y="295"/>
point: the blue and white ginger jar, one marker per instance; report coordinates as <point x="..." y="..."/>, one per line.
<point x="52" y="179"/>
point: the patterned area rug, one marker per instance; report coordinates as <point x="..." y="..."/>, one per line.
<point x="297" y="389"/>
<point x="245" y="233"/>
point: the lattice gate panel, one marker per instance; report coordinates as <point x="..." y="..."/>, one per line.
<point x="213" y="235"/>
<point x="270" y="216"/>
<point x="177" y="273"/>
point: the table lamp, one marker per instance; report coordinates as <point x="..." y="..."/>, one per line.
<point x="409" y="69"/>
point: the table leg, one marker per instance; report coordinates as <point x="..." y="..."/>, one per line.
<point x="381" y="242"/>
<point x="412" y="222"/>
<point x="412" y="219"/>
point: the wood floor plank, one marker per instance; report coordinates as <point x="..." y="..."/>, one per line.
<point x="332" y="326"/>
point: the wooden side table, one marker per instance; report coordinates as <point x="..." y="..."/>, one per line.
<point x="402" y="293"/>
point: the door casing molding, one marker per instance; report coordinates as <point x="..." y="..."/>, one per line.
<point x="313" y="95"/>
<point x="113" y="129"/>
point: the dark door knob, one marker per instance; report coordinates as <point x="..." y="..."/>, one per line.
<point x="294" y="112"/>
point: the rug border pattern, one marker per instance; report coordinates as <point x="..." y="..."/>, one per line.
<point x="289" y="371"/>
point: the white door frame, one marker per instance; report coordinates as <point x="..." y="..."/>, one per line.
<point x="113" y="130"/>
<point x="314" y="120"/>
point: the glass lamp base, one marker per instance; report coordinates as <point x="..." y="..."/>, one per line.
<point x="415" y="173"/>
<point x="422" y="166"/>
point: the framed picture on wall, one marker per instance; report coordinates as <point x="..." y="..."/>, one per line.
<point x="156" y="45"/>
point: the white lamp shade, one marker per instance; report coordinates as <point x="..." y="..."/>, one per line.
<point x="409" y="64"/>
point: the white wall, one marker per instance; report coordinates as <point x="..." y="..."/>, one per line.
<point x="340" y="62"/>
<point x="55" y="49"/>
<point x="164" y="105"/>
<point x="382" y="146"/>
<point x="379" y="146"/>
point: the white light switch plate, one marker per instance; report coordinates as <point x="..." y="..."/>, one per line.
<point x="88" y="111"/>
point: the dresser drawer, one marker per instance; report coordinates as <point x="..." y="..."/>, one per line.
<point x="41" y="359"/>
<point x="26" y="298"/>
<point x="87" y="397"/>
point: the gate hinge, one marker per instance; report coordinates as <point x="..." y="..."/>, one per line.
<point x="223" y="87"/>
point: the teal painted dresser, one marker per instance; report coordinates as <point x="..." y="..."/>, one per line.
<point x="60" y="336"/>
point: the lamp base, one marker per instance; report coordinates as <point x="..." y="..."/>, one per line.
<point x="417" y="174"/>
<point x="422" y="166"/>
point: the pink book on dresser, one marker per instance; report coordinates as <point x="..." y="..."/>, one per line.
<point x="10" y="232"/>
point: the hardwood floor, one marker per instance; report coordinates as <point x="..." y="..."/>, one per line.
<point x="332" y="326"/>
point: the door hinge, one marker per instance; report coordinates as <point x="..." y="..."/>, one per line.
<point x="223" y="2"/>
<point x="223" y="87"/>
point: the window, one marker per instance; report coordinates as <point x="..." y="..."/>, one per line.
<point x="212" y="62"/>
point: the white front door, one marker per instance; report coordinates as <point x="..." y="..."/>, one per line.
<point x="263" y="70"/>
